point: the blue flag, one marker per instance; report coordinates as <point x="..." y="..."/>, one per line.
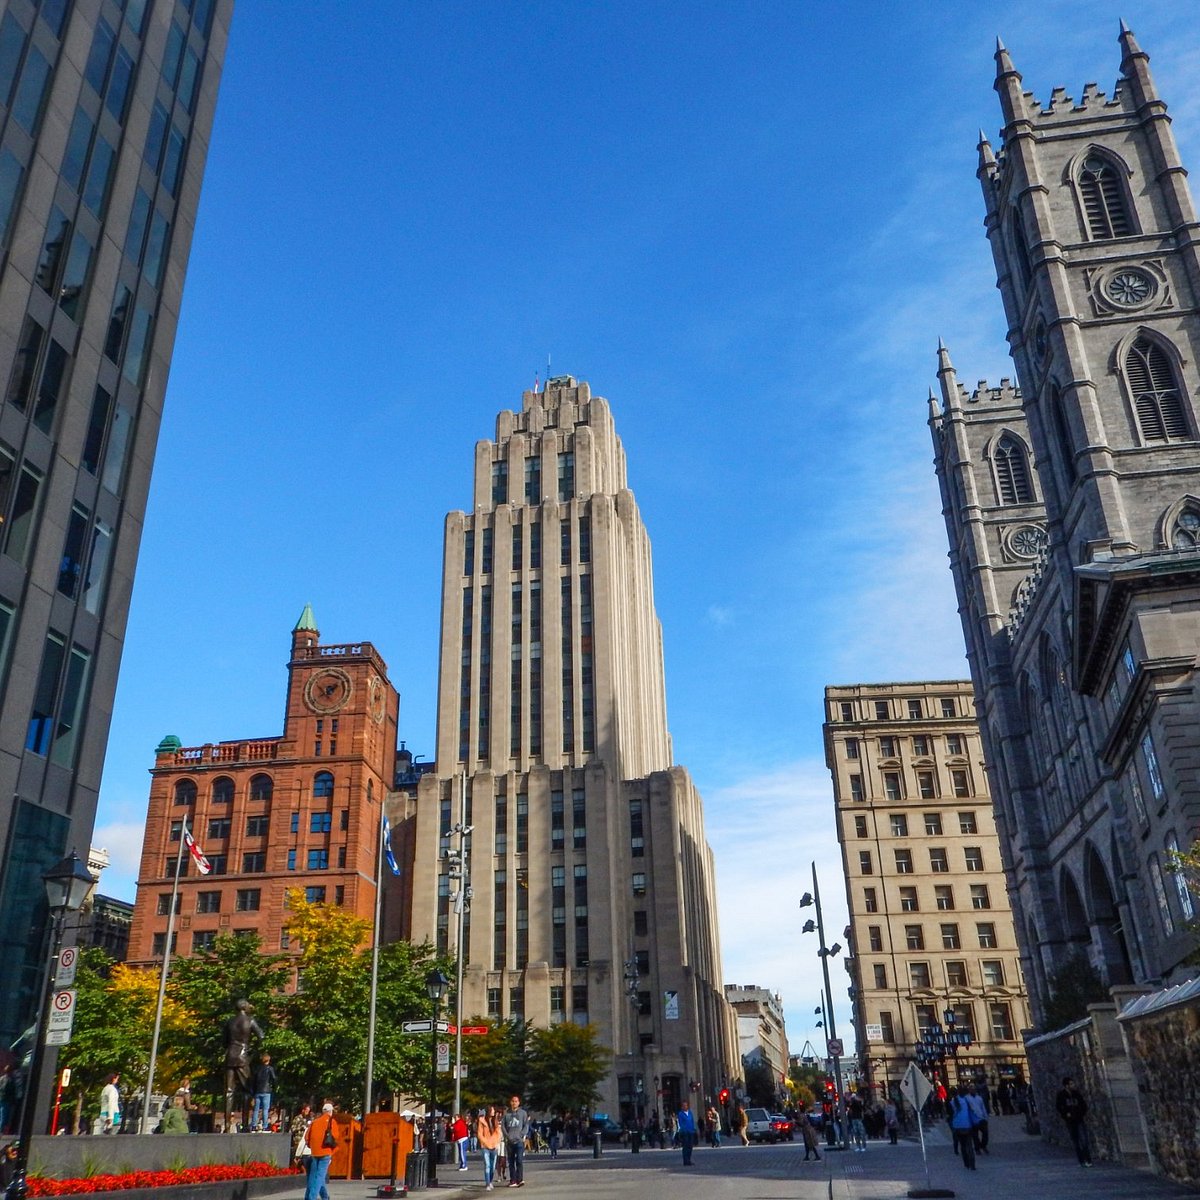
<point x="387" y="846"/>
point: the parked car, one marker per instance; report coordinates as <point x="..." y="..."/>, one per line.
<point x="609" y="1130"/>
<point x="782" y="1127"/>
<point x="758" y="1125"/>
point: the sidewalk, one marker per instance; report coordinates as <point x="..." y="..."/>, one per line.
<point x="1018" y="1165"/>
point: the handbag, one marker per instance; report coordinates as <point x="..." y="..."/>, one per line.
<point x="329" y="1141"/>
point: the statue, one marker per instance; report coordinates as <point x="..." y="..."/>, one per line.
<point x="238" y="1031"/>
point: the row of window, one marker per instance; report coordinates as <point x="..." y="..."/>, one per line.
<point x="991" y="974"/>
<point x="578" y="1012"/>
<point x="533" y="478"/>
<point x="939" y="861"/>
<point x="486" y="556"/>
<point x="951" y="939"/>
<point x="262" y="787"/>
<point x="254" y="862"/>
<point x="898" y="824"/>
<point x="927" y="785"/>
<point x="980" y="895"/>
<point x="928" y="1018"/>
<point x="245" y="900"/>
<point x="913" y="708"/>
<point x="220" y="828"/>
<point x="922" y="746"/>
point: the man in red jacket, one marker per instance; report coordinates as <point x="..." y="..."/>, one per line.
<point x="321" y="1133"/>
<point x="460" y="1135"/>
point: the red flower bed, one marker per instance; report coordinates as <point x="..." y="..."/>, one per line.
<point x="40" y="1185"/>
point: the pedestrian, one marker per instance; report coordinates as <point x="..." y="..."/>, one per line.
<point x="110" y="1104"/>
<point x="489" y="1135"/>
<point x="501" y="1154"/>
<point x="323" y="1136"/>
<point x="175" y="1119"/>
<point x="298" y="1130"/>
<point x="460" y="1135"/>
<point x="858" y="1130"/>
<point x="985" y="1093"/>
<point x="1072" y="1107"/>
<point x="961" y="1123"/>
<point x="808" y="1131"/>
<point x="265" y="1078"/>
<point x="516" y="1129"/>
<point x="979" y="1116"/>
<point x="712" y="1127"/>
<point x="891" y="1120"/>
<point x="740" y="1123"/>
<point x="556" y="1133"/>
<point x="685" y="1123"/>
<point x="941" y="1096"/>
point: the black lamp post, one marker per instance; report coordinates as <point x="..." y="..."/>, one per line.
<point x="436" y="984"/>
<point x="67" y="885"/>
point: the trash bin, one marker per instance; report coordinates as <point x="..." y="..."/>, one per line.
<point x="597" y="1143"/>
<point x="416" y="1170"/>
<point x="635" y="1141"/>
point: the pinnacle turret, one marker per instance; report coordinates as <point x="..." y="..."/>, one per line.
<point x="1004" y="62"/>
<point x="987" y="157"/>
<point x="944" y="363"/>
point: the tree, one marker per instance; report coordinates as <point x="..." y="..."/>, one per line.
<point x="497" y="1062"/>
<point x="1074" y="986"/>
<point x="566" y="1063"/>
<point x="760" y="1084"/>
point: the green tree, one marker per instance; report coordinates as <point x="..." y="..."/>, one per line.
<point x="566" y="1063"/>
<point x="1074" y="986"/>
<point x="760" y="1084"/>
<point x="497" y="1062"/>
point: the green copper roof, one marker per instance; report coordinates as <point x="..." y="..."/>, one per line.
<point x="168" y="745"/>
<point x="307" y="621"/>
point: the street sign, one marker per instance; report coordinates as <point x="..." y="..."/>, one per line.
<point x="425" y="1027"/>
<point x="68" y="961"/>
<point x="443" y="1056"/>
<point x="462" y="1070"/>
<point x="874" y="1033"/>
<point x="62" y="1017"/>
<point x="468" y="1030"/>
<point x="65" y="1078"/>
<point x="915" y="1087"/>
<point x="836" y="1047"/>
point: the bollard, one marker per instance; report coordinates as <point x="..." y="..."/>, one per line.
<point x="597" y="1139"/>
<point x="635" y="1141"/>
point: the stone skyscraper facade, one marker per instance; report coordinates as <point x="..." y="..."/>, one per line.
<point x="1072" y="504"/>
<point x="593" y="890"/>
<point x="106" y="107"/>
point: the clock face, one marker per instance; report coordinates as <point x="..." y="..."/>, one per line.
<point x="376" y="700"/>
<point x="327" y="690"/>
<point x="1129" y="287"/>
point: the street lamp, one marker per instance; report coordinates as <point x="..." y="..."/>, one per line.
<point x="67" y="885"/>
<point x="436" y="984"/>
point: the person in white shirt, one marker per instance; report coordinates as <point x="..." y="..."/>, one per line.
<point x="110" y="1105"/>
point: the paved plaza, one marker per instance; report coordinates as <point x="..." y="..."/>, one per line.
<point x="1019" y="1166"/>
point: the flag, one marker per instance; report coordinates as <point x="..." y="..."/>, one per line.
<point x="393" y="865"/>
<point x="202" y="863"/>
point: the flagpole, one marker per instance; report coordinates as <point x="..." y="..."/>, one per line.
<point x="162" y="979"/>
<point x="370" y="1083"/>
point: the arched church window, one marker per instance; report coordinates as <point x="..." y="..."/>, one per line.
<point x="1104" y="202"/>
<point x="322" y="784"/>
<point x="1154" y="390"/>
<point x="1012" y="472"/>
<point x="1185" y="535"/>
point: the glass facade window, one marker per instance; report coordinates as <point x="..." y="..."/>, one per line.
<point x="27" y="103"/>
<point x="944" y="895"/>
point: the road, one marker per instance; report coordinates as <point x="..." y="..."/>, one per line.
<point x="1018" y="1166"/>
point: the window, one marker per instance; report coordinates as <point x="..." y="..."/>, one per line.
<point x="1012" y="472"/>
<point x="1154" y="391"/>
<point x="888" y="747"/>
<point x="637" y="842"/>
<point x="1152" y="771"/>
<point x="918" y="974"/>
<point x="639" y="883"/>
<point x="58" y="701"/>
<point x="318" y="860"/>
<point x="993" y="972"/>
<point x="956" y="973"/>
<point x="904" y="864"/>
<point x="1103" y="197"/>
<point x="208" y="902"/>
<point x="262" y="787"/>
<point x="185" y="792"/>
<point x="222" y="792"/>
<point x="533" y="480"/>
<point x="938" y="862"/>
<point x="933" y="824"/>
<point x="203" y="941"/>
<point x="875" y="938"/>
<point x="248" y="899"/>
<point x="865" y="864"/>
<point x="314" y="895"/>
<point x="291" y="860"/>
<point x="499" y="483"/>
<point x="847" y="711"/>
<point x="908" y="900"/>
<point x="522" y="829"/>
<point x="174" y="860"/>
<point x="950" y="938"/>
<point x="887" y="1027"/>
<point x="880" y="972"/>
<point x="320" y="822"/>
<point x="881" y="710"/>
<point x="915" y="712"/>
<point x="948" y="707"/>
<point x="176" y="830"/>
<point x="860" y="826"/>
<point x="493" y="1002"/>
<point x="1001" y="1020"/>
<point x="164" y="904"/>
<point x="899" y="824"/>
<point x="927" y="1019"/>
<point x="979" y="896"/>
<point x="856" y="787"/>
<point x="578" y="819"/>
<point x="914" y="938"/>
<point x="974" y="858"/>
<point x="564" y="541"/>
<point x="641" y="926"/>
<point x="852" y="747"/>
<point x="566" y="475"/>
<point x="258" y="826"/>
<point x="870" y="900"/>
<point x="944" y="895"/>
<point x="219" y="863"/>
<point x="967" y="823"/>
<point x="954" y="743"/>
<point x="891" y="785"/>
<point x="486" y="552"/>
<point x="322" y="784"/>
<point x="987" y="935"/>
<point x="1160" y="895"/>
<point x="254" y="863"/>
<point x="1183" y="892"/>
<point x="921" y="745"/>
<point x="927" y="787"/>
<point x="960" y="781"/>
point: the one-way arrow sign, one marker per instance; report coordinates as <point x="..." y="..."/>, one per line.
<point x="423" y="1027"/>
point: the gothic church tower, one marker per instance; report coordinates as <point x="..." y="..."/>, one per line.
<point x="1072" y="504"/>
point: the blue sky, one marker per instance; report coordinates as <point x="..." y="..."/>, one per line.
<point x="745" y="225"/>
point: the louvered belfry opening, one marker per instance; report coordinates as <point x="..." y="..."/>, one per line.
<point x="1012" y="473"/>
<point x="1104" y="199"/>
<point x="1155" y="390"/>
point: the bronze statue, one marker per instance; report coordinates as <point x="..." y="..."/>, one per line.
<point x="239" y="1029"/>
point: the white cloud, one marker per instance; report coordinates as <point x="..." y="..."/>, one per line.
<point x="123" y="841"/>
<point x="719" y="615"/>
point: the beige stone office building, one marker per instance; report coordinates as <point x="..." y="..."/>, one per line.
<point x="762" y="1033"/>
<point x="592" y="884"/>
<point x="931" y="927"/>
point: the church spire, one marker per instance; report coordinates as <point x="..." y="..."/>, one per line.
<point x="305" y="634"/>
<point x="1008" y="85"/>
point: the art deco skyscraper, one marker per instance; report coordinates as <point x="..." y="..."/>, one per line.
<point x="105" y="112"/>
<point x="593" y="885"/>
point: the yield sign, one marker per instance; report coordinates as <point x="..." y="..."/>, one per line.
<point x="915" y="1087"/>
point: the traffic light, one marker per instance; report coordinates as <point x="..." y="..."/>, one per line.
<point x="723" y="1095"/>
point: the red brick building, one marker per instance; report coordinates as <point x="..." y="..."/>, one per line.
<point x="300" y="810"/>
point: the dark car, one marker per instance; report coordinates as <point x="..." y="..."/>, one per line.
<point x="609" y="1130"/>
<point x="782" y="1128"/>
